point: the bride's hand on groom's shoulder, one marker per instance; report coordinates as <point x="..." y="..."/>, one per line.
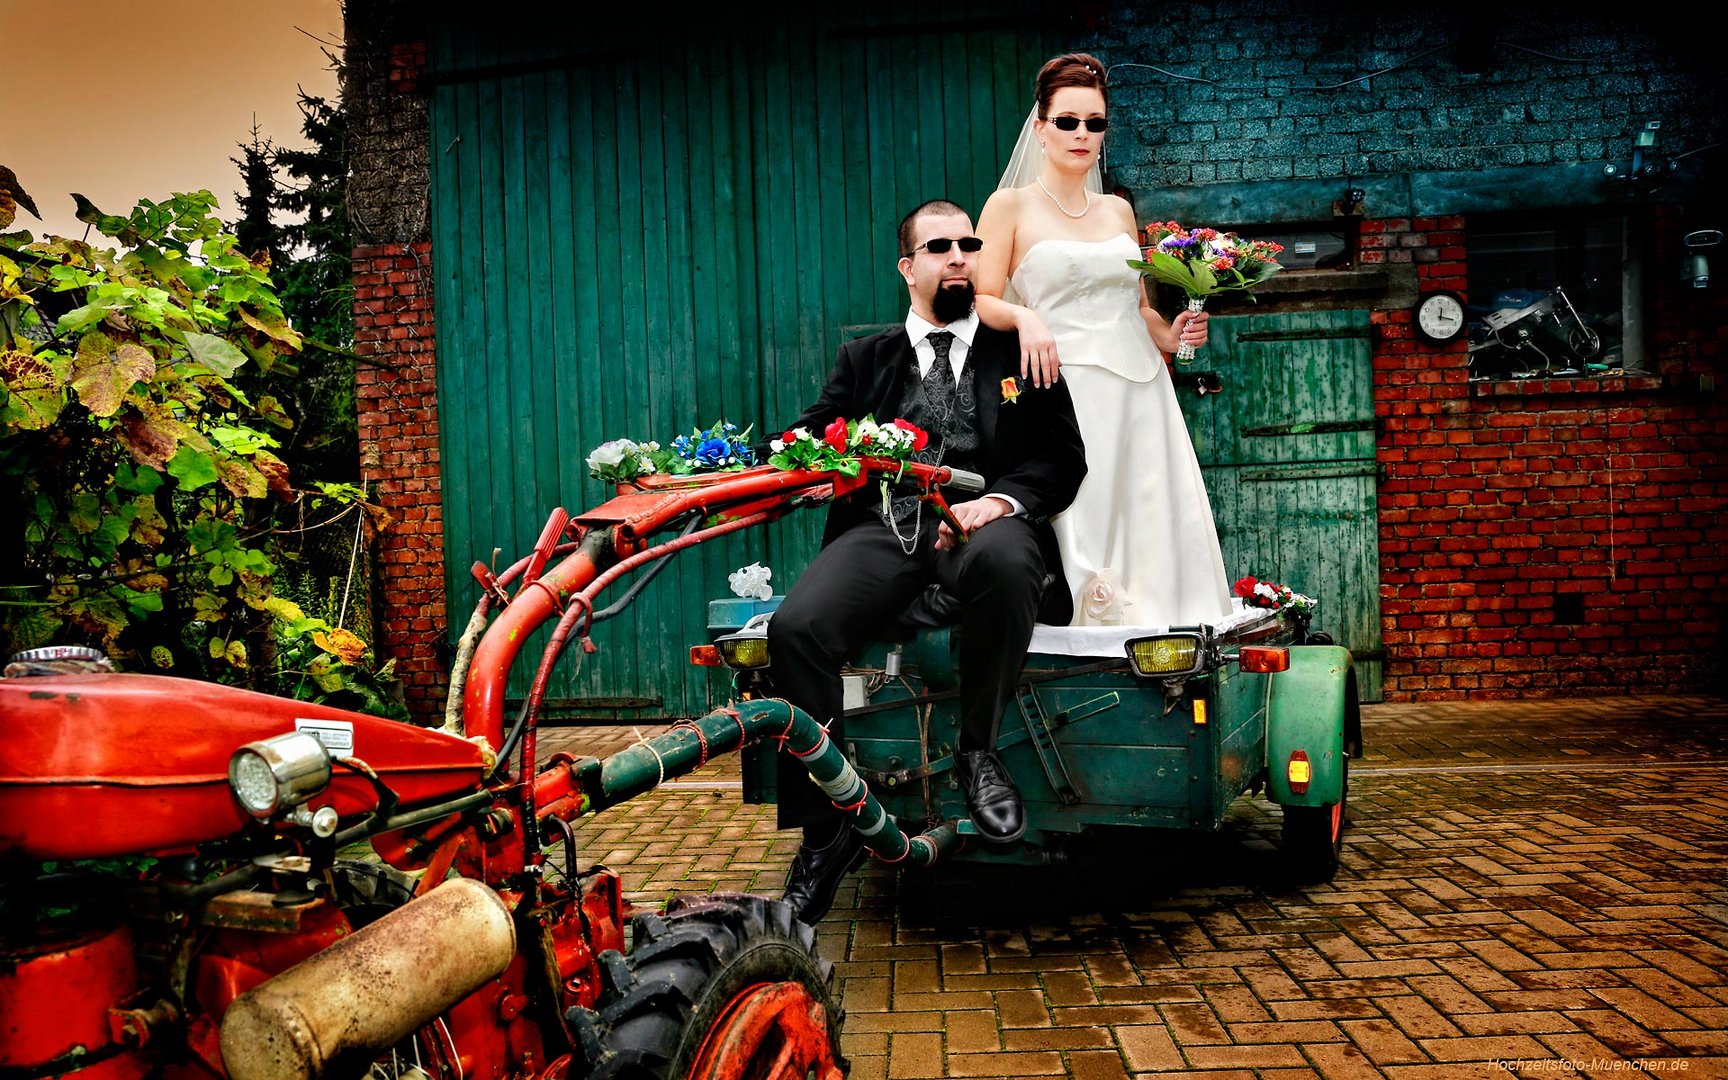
<point x="1038" y="360"/>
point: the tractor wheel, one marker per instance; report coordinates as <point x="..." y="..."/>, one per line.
<point x="728" y="985"/>
<point x="365" y="891"/>
<point x="1313" y="838"/>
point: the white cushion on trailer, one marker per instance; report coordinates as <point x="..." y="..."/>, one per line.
<point x="1112" y="641"/>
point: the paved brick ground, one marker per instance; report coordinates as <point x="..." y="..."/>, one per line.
<point x="1530" y="888"/>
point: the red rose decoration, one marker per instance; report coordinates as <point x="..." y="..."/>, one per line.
<point x="1245" y="586"/>
<point x="920" y="437"/>
<point x="835" y="435"/>
<point x="788" y="436"/>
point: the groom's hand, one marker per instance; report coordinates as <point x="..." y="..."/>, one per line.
<point x="972" y="516"/>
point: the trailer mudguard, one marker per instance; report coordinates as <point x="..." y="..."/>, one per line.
<point x="1306" y="711"/>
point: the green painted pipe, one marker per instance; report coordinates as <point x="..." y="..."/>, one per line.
<point x="650" y="763"/>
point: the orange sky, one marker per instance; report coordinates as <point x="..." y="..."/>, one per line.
<point x="123" y="100"/>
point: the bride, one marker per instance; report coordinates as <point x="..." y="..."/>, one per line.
<point x="1139" y="546"/>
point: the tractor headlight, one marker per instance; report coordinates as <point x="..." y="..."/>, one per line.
<point x="279" y="773"/>
<point x="1166" y="655"/>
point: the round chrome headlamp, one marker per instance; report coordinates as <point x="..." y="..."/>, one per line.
<point x="278" y="773"/>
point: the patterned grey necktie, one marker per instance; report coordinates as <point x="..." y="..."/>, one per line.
<point x="938" y="390"/>
<point x="941" y="372"/>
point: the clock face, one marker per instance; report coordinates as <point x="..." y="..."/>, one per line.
<point x="1440" y="316"/>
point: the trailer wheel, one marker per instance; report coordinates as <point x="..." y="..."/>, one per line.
<point x="728" y="985"/>
<point x="1313" y="838"/>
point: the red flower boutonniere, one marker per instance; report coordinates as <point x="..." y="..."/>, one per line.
<point x="1010" y="390"/>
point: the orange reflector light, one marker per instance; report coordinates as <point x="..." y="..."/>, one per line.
<point x="705" y="656"/>
<point x="1199" y="710"/>
<point x="1300" y="771"/>
<point x="1265" y="658"/>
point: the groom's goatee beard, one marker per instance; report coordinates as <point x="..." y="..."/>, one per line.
<point x="953" y="302"/>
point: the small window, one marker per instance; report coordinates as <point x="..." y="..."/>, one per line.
<point x="1553" y="295"/>
<point x="1308" y="246"/>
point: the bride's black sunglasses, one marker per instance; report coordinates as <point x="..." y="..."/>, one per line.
<point x="1093" y="124"/>
<point x="939" y="245"/>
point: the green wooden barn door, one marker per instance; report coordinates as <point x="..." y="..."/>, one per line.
<point x="636" y="233"/>
<point x="1287" y="446"/>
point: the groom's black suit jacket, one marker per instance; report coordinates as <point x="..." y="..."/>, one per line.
<point x="1030" y="448"/>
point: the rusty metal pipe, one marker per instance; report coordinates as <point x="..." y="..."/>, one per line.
<point x="354" y="1000"/>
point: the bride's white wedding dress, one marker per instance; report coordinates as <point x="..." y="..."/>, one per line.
<point x="1139" y="546"/>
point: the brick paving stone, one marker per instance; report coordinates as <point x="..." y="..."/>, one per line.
<point x="1148" y="1049"/>
<point x="1016" y="1008"/>
<point x="1304" y="1032"/>
<point x="1194" y="1024"/>
<point x="1096" y="1065"/>
<point x="1343" y="1061"/>
<point x="1478" y="1048"/>
<point x="1034" y="1063"/>
<point x="1256" y="1057"/>
<point x="1072" y="1038"/>
<point x="973" y="1032"/>
<point x="1645" y="1010"/>
<point x="916" y="1055"/>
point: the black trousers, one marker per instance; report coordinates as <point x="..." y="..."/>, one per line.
<point x="864" y="577"/>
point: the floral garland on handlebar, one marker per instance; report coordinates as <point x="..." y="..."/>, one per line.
<point x="719" y="448"/>
<point x="844" y="441"/>
<point x="1257" y="593"/>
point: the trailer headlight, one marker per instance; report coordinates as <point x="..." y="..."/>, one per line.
<point x="278" y="773"/>
<point x="741" y="651"/>
<point x="1166" y="654"/>
<point x="748" y="648"/>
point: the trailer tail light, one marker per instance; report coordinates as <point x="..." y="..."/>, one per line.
<point x="1166" y="655"/>
<point x="1265" y="659"/>
<point x="1299" y="771"/>
<point x="705" y="656"/>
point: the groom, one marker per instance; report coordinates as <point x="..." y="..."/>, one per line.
<point x="957" y="379"/>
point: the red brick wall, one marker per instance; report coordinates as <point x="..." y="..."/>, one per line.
<point x="1494" y="505"/>
<point x="398" y="400"/>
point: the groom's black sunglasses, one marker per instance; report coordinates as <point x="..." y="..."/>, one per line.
<point x="1093" y="124"/>
<point x="940" y="245"/>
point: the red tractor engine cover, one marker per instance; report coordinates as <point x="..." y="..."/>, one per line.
<point x="113" y="764"/>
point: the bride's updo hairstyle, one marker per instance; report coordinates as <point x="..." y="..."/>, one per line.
<point x="1069" y="69"/>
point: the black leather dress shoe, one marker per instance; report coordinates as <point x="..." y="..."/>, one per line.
<point x="816" y="873"/>
<point x="991" y="796"/>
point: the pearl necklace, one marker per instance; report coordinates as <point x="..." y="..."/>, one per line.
<point x="1064" y="209"/>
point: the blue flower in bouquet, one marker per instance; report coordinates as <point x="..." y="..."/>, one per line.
<point x="721" y="447"/>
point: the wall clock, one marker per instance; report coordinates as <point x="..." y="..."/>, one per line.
<point x="1439" y="317"/>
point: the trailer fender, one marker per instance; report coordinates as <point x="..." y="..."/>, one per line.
<point x="1307" y="711"/>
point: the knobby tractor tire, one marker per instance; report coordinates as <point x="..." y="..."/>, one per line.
<point x="728" y="985"/>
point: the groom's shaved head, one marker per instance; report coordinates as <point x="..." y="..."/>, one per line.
<point x="908" y="224"/>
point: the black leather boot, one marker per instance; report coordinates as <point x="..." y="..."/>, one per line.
<point x="816" y="872"/>
<point x="991" y="796"/>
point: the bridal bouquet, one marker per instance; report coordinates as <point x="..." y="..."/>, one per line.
<point x="1203" y="262"/>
